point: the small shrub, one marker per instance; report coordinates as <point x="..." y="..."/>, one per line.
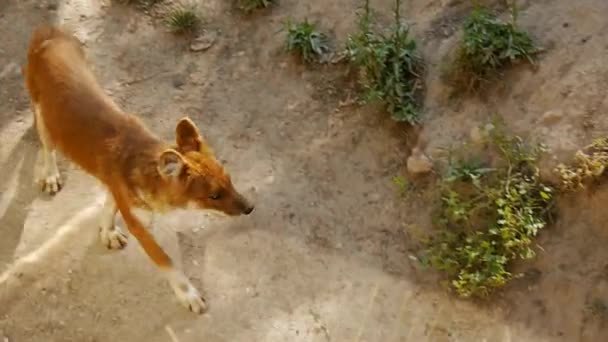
<point x="252" y="5"/>
<point x="488" y="45"/>
<point x="390" y="67"/>
<point x="488" y="217"/>
<point x="403" y="185"/>
<point x="305" y="40"/>
<point x="589" y="163"/>
<point x="183" y="20"/>
<point x="142" y="3"/>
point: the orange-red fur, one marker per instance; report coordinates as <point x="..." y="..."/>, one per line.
<point x="138" y="168"/>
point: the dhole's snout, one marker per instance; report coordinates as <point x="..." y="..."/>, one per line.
<point x="246" y="206"/>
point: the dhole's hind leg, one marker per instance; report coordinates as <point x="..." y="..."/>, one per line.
<point x="111" y="235"/>
<point x="51" y="178"/>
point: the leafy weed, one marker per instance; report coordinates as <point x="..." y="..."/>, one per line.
<point x="389" y="66"/>
<point x="305" y="40"/>
<point x="489" y="217"/>
<point x="488" y="45"/>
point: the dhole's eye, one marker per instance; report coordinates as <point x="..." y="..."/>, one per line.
<point x="215" y="197"/>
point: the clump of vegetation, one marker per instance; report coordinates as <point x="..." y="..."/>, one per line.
<point x="142" y="3"/>
<point x="305" y="40"/>
<point x="389" y="64"/>
<point x="489" y="216"/>
<point x="183" y="20"/>
<point x="488" y="45"/>
<point x="588" y="164"/>
<point x="252" y="5"/>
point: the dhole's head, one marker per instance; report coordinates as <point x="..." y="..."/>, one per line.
<point x="196" y="178"/>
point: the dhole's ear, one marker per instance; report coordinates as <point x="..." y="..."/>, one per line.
<point x="170" y="164"/>
<point x="189" y="138"/>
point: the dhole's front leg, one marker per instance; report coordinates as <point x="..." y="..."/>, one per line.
<point x="187" y="294"/>
<point x="51" y="179"/>
<point x="111" y="235"/>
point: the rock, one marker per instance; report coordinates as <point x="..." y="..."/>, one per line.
<point x="375" y="197"/>
<point x="551" y="117"/>
<point x="476" y="135"/>
<point x="178" y="80"/>
<point x="10" y="70"/>
<point x="204" y="41"/>
<point x="418" y="163"/>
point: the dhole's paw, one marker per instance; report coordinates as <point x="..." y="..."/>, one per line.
<point x="187" y="294"/>
<point x="113" y="238"/>
<point x="51" y="183"/>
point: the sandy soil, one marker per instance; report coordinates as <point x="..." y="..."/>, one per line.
<point x="327" y="254"/>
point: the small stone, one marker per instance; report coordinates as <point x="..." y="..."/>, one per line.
<point x="476" y="135"/>
<point x="204" y="41"/>
<point x="375" y="197"/>
<point x="178" y="80"/>
<point x="10" y="70"/>
<point x="418" y="163"/>
<point x="51" y="7"/>
<point x="551" y="117"/>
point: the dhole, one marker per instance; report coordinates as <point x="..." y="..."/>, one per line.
<point x="74" y="116"/>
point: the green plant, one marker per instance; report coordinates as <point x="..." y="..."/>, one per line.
<point x="142" y="3"/>
<point x="471" y="169"/>
<point x="487" y="220"/>
<point x="183" y="20"/>
<point x="403" y="185"/>
<point x="488" y="45"/>
<point x="304" y="39"/>
<point x="390" y="67"/>
<point x="252" y="5"/>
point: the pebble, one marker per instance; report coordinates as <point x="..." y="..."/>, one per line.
<point x="418" y="163"/>
<point x="204" y="41"/>
<point x="476" y="135"/>
<point x="551" y="117"/>
<point x="9" y="70"/>
<point x="178" y="80"/>
<point x="375" y="197"/>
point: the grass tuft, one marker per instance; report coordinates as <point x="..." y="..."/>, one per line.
<point x="252" y="5"/>
<point x="183" y="20"/>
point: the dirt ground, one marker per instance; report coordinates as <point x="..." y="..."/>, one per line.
<point x="327" y="255"/>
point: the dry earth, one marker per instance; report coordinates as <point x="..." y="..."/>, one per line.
<point x="326" y="256"/>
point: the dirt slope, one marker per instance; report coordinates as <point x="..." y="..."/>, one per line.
<point x="326" y="256"/>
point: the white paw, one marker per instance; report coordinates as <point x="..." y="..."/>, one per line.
<point x="51" y="184"/>
<point x="113" y="238"/>
<point x="187" y="294"/>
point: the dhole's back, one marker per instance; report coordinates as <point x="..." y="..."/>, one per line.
<point x="82" y="122"/>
